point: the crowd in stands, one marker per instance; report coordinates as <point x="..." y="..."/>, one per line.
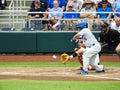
<point x="57" y="15"/>
<point x="92" y="9"/>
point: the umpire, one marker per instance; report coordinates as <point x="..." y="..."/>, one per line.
<point x="109" y="39"/>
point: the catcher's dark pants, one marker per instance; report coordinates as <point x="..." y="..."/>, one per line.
<point x="108" y="49"/>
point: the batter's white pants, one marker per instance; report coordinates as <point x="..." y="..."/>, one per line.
<point x="91" y="57"/>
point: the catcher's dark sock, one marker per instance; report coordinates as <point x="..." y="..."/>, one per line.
<point x="74" y="54"/>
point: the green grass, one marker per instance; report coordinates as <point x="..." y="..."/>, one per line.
<point x="53" y="64"/>
<point x="57" y="85"/>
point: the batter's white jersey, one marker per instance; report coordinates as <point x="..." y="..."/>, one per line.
<point x="88" y="38"/>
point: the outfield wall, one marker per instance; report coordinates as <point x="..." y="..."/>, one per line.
<point x="37" y="42"/>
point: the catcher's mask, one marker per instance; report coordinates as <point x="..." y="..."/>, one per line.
<point x="104" y="28"/>
<point x="81" y="25"/>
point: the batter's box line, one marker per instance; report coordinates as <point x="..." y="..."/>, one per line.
<point x="109" y="74"/>
<point x="104" y="77"/>
<point x="11" y="72"/>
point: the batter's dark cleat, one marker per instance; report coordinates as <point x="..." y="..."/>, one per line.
<point x="82" y="72"/>
<point x="100" y="71"/>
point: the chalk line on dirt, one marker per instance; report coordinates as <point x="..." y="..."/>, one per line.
<point x="104" y="77"/>
<point x="11" y="73"/>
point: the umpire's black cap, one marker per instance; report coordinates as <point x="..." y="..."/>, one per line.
<point x="104" y="27"/>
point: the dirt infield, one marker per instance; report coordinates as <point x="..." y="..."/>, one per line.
<point x="54" y="73"/>
<point x="58" y="73"/>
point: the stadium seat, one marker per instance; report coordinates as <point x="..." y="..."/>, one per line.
<point x="28" y="29"/>
<point x="8" y="29"/>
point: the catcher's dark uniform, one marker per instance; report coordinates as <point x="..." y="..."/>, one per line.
<point x="110" y="41"/>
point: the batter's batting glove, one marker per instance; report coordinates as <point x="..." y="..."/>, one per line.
<point x="75" y="41"/>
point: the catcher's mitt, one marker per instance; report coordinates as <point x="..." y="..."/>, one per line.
<point x="64" y="58"/>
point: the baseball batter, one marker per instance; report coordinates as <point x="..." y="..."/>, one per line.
<point x="79" y="52"/>
<point x="92" y="48"/>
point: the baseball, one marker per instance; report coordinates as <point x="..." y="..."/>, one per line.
<point x="54" y="56"/>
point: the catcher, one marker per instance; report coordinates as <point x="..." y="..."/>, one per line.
<point x="77" y="52"/>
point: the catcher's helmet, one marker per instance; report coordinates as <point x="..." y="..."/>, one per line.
<point x="81" y="25"/>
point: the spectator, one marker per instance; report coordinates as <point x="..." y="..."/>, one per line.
<point x="104" y="8"/>
<point x="77" y="4"/>
<point x="117" y="14"/>
<point x="55" y="9"/>
<point x="43" y="4"/>
<point x="99" y="3"/>
<point x="70" y="9"/>
<point x="116" y="4"/>
<point x="109" y="4"/>
<point x="115" y="24"/>
<point x="61" y="4"/>
<point x="3" y="4"/>
<point x="37" y="8"/>
<point x="104" y="17"/>
<point x="88" y="8"/>
<point x="70" y="24"/>
<point x="53" y="24"/>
